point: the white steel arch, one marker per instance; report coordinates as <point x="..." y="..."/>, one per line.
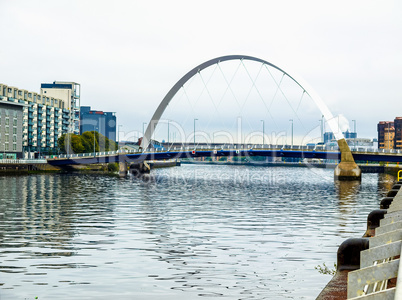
<point x="333" y="124"/>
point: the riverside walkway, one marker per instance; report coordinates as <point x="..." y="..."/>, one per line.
<point x="368" y="267"/>
<point x="380" y="265"/>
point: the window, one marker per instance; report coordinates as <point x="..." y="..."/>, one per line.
<point x="19" y="93"/>
<point x="15" y="130"/>
<point x="14" y="122"/>
<point x="6" y="146"/>
<point x="7" y="121"/>
<point x="7" y="138"/>
<point x="14" y="147"/>
<point x="15" y="113"/>
<point x="7" y="112"/>
<point x="9" y="90"/>
<point x="14" y="138"/>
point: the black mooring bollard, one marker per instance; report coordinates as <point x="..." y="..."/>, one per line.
<point x="386" y="202"/>
<point x="348" y="255"/>
<point x="373" y="219"/>
<point x="392" y="193"/>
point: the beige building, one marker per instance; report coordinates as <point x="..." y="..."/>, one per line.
<point x="69" y="92"/>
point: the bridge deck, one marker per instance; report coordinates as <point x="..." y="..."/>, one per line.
<point x="108" y="157"/>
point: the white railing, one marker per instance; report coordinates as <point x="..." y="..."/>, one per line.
<point x="22" y="161"/>
<point x="228" y="147"/>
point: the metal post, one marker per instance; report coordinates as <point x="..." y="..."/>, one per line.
<point x="292" y="131"/>
<point x="94" y="142"/>
<point x="322" y="128"/>
<point x="118" y="136"/>
<point x="168" y="134"/>
<point x="194" y="132"/>
<point x="263" y="133"/>
<point x="354" y="121"/>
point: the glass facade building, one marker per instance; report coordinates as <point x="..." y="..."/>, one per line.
<point x="100" y="121"/>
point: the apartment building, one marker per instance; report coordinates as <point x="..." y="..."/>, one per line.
<point x="386" y="134"/>
<point x="70" y="93"/>
<point x="11" y="115"/>
<point x="44" y="119"/>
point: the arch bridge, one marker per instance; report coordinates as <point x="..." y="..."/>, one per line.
<point x="347" y="169"/>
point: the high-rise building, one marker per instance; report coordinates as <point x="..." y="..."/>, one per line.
<point x="386" y="135"/>
<point x="100" y="121"/>
<point x="398" y="133"/>
<point x="70" y="93"/>
<point x="44" y="119"/>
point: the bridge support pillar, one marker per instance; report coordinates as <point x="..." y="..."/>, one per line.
<point x="123" y="170"/>
<point x="140" y="168"/>
<point x="347" y="169"/>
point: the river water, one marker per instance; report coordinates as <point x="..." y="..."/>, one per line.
<point x="190" y="232"/>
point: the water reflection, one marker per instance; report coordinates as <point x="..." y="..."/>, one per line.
<point x="182" y="233"/>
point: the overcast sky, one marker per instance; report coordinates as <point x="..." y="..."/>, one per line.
<point x="128" y="54"/>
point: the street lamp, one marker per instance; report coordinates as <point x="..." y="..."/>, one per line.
<point x="322" y="128"/>
<point x="118" y="136"/>
<point x="143" y="129"/>
<point x="194" y="132"/>
<point x="291" y="120"/>
<point x="354" y="121"/>
<point x="263" y="133"/>
<point x="94" y="140"/>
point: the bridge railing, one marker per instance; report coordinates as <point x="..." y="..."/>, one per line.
<point x="92" y="154"/>
<point x="22" y="161"/>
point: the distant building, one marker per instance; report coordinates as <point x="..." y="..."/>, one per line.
<point x="349" y="135"/>
<point x="329" y="136"/>
<point x="100" y="121"/>
<point x="398" y="133"/>
<point x="386" y="135"/>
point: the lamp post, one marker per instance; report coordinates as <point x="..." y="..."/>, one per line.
<point x="354" y="130"/>
<point x="263" y="133"/>
<point x="168" y="134"/>
<point x="291" y="120"/>
<point x="322" y="128"/>
<point x="118" y="136"/>
<point x="194" y="132"/>
<point x="143" y="129"/>
<point x="94" y="141"/>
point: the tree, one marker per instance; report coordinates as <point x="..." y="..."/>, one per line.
<point x="85" y="143"/>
